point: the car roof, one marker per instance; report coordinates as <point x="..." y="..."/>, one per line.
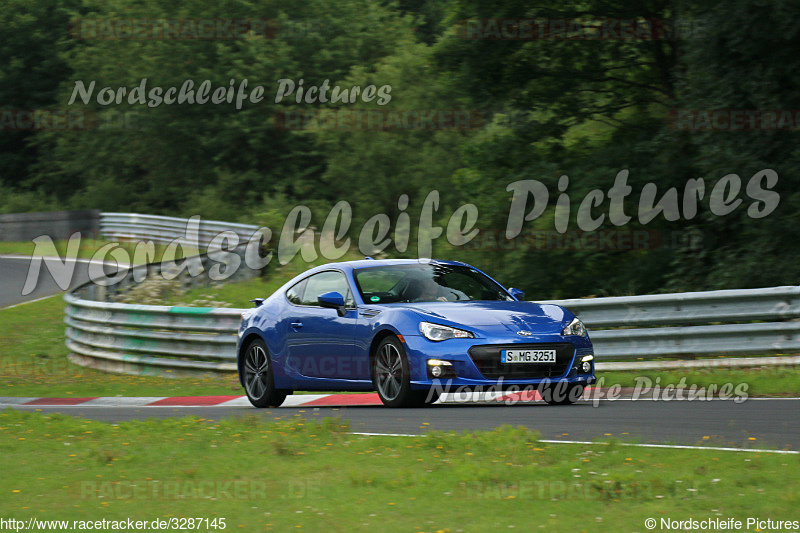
<point x="369" y="263"/>
<point x="350" y="266"/>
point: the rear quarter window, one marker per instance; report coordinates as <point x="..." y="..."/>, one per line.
<point x="295" y="292"/>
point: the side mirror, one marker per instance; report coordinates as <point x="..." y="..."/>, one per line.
<point x="332" y="300"/>
<point x="516" y="293"/>
<point x="257" y="302"/>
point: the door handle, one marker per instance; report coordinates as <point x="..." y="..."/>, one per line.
<point x="296" y="325"/>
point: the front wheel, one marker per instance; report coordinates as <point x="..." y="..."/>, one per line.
<point x="259" y="382"/>
<point x="391" y="376"/>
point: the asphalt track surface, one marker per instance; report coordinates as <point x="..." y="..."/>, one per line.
<point x="14" y="272"/>
<point x="754" y="423"/>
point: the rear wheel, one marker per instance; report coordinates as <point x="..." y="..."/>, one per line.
<point x="391" y="376"/>
<point x="259" y="382"/>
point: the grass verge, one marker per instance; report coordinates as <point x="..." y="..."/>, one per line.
<point x="781" y="381"/>
<point x="297" y="473"/>
<point x="33" y="362"/>
<point x="238" y="294"/>
<point x="88" y="248"/>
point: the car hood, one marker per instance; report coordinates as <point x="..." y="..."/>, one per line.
<point x="512" y="315"/>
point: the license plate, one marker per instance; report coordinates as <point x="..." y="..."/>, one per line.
<point x="527" y="356"/>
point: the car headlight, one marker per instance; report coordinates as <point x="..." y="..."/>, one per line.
<point x="575" y="327"/>
<point x="437" y="332"/>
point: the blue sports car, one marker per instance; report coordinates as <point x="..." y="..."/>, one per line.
<point x="410" y="330"/>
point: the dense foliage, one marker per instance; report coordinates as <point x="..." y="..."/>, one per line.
<point x="584" y="108"/>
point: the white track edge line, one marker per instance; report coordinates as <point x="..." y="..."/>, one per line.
<point x="674" y="446"/>
<point x="30" y="301"/>
<point x="366" y="434"/>
<point x="629" y="444"/>
<point x="230" y="403"/>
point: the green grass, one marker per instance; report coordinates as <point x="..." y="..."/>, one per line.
<point x="33" y="362"/>
<point x="761" y="381"/>
<point x="297" y="473"/>
<point x="239" y="294"/>
<point x="88" y="248"/>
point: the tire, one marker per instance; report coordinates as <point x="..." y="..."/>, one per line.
<point x="560" y="395"/>
<point x="259" y="382"/>
<point x="391" y="376"/>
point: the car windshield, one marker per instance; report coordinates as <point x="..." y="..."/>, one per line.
<point x="429" y="282"/>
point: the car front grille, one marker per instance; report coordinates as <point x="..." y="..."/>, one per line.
<point x="487" y="358"/>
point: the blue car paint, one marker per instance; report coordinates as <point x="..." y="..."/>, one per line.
<point x="344" y="362"/>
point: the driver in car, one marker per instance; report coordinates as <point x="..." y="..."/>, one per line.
<point x="430" y="291"/>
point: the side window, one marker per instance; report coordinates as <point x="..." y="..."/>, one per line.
<point x="295" y="293"/>
<point x="327" y="282"/>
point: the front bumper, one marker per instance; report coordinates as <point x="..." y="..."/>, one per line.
<point x="474" y="368"/>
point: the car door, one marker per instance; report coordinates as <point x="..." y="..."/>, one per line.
<point x="320" y="342"/>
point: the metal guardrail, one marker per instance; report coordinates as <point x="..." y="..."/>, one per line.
<point x="134" y="226"/>
<point x="704" y="323"/>
<point x="774" y="303"/>
<point x="145" y="339"/>
<point x="151" y="339"/>
<point x="157" y="339"/>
